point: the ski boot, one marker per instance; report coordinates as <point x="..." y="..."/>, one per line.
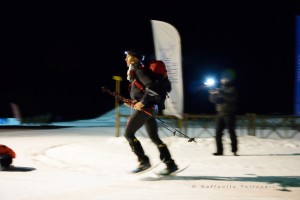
<point x="144" y="165"/>
<point x="171" y="167"/>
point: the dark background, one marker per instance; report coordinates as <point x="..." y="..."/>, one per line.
<point x="56" y="56"/>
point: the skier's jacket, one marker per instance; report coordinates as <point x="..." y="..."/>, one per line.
<point x="150" y="84"/>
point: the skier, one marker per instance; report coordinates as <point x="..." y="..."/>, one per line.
<point x="225" y="100"/>
<point x="137" y="75"/>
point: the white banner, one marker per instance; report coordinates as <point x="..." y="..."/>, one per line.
<point x="167" y="46"/>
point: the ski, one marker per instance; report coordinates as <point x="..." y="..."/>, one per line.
<point x="173" y="173"/>
<point x="147" y="170"/>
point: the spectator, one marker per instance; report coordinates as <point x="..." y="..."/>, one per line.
<point x="225" y="100"/>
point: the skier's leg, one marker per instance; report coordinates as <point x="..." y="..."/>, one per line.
<point x="136" y="121"/>
<point x="230" y="121"/>
<point x="220" y="125"/>
<point x="165" y="155"/>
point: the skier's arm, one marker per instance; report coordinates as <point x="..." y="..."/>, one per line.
<point x="150" y="92"/>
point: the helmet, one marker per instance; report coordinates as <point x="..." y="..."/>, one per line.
<point x="136" y="54"/>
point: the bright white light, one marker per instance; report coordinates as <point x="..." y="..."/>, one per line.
<point x="209" y="82"/>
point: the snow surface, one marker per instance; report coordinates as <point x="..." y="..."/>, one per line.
<point x="90" y="163"/>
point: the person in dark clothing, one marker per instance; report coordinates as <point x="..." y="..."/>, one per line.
<point x="225" y="100"/>
<point x="137" y="76"/>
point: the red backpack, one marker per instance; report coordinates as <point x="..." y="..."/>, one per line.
<point x="158" y="67"/>
<point x="157" y="71"/>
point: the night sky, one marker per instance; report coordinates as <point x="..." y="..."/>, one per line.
<point x="55" y="57"/>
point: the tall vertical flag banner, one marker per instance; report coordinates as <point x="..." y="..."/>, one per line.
<point x="297" y="69"/>
<point x="167" y="46"/>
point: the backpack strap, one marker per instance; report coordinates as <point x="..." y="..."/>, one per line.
<point x="139" y="85"/>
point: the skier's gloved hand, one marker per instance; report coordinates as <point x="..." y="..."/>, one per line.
<point x="130" y="104"/>
<point x="138" y="106"/>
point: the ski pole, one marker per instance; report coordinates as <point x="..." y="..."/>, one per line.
<point x="132" y="102"/>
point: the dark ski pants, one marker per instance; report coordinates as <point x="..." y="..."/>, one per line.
<point x="226" y="121"/>
<point x="135" y="122"/>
